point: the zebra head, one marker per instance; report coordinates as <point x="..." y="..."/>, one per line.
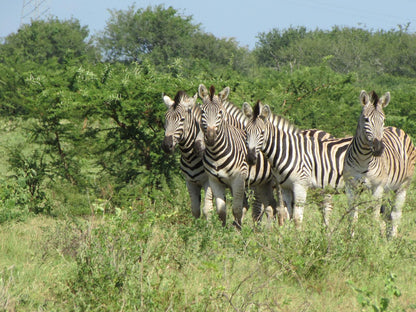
<point x="213" y="112"/>
<point x="177" y="119"/>
<point x="255" y="129"/>
<point x="371" y="123"/>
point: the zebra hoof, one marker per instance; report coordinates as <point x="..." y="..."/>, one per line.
<point x="237" y="226"/>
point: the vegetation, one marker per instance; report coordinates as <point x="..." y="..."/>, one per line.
<point x="93" y="215"/>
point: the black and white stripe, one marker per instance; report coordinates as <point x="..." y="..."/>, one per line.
<point x="182" y="128"/>
<point x="225" y="157"/>
<point x="382" y="158"/>
<point x="299" y="159"/>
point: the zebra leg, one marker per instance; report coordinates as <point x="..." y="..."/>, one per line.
<point x="378" y="195"/>
<point x="238" y="192"/>
<point x="218" y="191"/>
<point x="286" y="213"/>
<point x="195" y="194"/>
<point x="264" y="195"/>
<point x="396" y="213"/>
<point x="207" y="209"/>
<point x="300" y="192"/>
<point x="245" y="205"/>
<point x="280" y="206"/>
<point x="327" y="209"/>
<point x="271" y="207"/>
<point x="257" y="208"/>
<point x="352" y="196"/>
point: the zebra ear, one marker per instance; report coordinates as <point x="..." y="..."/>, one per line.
<point x="265" y="112"/>
<point x="202" y="91"/>
<point x="364" y="98"/>
<point x="168" y="101"/>
<point x="224" y="93"/>
<point x="247" y="110"/>
<point x="385" y="99"/>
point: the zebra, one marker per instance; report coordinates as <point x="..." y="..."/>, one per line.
<point x="299" y="159"/>
<point x="381" y="158"/>
<point x="225" y="158"/>
<point x="182" y="128"/>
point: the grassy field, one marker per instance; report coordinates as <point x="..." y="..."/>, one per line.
<point x="148" y="260"/>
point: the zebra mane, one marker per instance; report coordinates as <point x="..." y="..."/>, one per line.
<point x="256" y="110"/>
<point x="284" y="124"/>
<point x="178" y="98"/>
<point x="374" y="98"/>
<point x="211" y="92"/>
<point x="277" y="121"/>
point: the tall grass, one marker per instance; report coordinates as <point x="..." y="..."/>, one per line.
<point x="158" y="258"/>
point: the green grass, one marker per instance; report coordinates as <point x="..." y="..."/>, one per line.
<point x="160" y="259"/>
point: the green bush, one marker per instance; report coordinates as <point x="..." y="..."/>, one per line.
<point x="14" y="200"/>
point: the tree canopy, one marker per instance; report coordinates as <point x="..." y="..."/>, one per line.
<point x="162" y="35"/>
<point x="42" y="41"/>
<point x="349" y="49"/>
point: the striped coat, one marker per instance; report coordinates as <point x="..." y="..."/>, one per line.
<point x="381" y="158"/>
<point x="182" y="128"/>
<point x="299" y="159"/>
<point x="225" y="157"/>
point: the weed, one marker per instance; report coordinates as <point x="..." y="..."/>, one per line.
<point x="367" y="299"/>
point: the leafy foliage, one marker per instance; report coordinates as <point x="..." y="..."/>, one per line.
<point x="42" y="41"/>
<point x="99" y="125"/>
<point x="132" y="35"/>
<point x="352" y="49"/>
<point x="161" y="35"/>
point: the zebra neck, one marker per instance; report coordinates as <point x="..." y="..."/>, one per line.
<point x="222" y="140"/>
<point x="230" y="141"/>
<point x="186" y="145"/>
<point x="281" y="146"/>
<point x="359" y="153"/>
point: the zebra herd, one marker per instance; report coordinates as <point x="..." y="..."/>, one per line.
<point x="223" y="146"/>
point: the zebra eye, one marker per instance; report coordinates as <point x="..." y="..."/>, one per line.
<point x="366" y="119"/>
<point x="182" y="118"/>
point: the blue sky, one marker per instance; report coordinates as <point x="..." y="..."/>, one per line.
<point x="242" y="20"/>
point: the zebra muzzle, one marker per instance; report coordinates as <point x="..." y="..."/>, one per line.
<point x="251" y="156"/>
<point x="210" y="136"/>
<point x="378" y="147"/>
<point x="168" y="144"/>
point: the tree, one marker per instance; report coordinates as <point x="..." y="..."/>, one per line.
<point x="42" y="41"/>
<point x="161" y="35"/>
<point x="157" y="32"/>
<point x="271" y="45"/>
<point x="37" y="47"/>
<point x="351" y="50"/>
